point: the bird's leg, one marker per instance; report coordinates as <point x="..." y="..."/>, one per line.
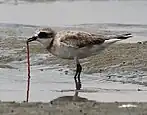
<point x="75" y="78"/>
<point x="78" y="72"/>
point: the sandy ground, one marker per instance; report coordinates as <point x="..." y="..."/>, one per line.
<point x="64" y="106"/>
<point x="122" y="57"/>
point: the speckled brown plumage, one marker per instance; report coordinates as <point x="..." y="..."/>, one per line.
<point x="81" y="39"/>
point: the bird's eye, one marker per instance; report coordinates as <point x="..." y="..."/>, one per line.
<point x="43" y="35"/>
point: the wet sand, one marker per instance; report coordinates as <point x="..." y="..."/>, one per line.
<point x="64" y="106"/>
<point x="121" y="62"/>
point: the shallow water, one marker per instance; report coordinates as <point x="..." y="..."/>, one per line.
<point x="48" y="83"/>
<point x="69" y="13"/>
<point x="114" y="16"/>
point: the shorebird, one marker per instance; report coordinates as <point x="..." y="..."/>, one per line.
<point x="74" y="45"/>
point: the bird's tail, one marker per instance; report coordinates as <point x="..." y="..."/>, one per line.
<point x="121" y="37"/>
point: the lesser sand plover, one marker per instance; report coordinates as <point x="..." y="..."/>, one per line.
<point x="75" y="45"/>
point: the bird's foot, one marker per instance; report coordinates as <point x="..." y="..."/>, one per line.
<point x="78" y="86"/>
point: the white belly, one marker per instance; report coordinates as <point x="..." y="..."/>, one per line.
<point x="66" y="52"/>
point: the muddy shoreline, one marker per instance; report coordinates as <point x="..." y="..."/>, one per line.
<point x="64" y="106"/>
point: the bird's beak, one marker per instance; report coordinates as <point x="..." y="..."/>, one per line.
<point x="32" y="39"/>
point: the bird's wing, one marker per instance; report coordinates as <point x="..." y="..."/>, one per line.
<point x="80" y="39"/>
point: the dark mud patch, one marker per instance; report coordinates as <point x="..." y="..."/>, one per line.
<point x="7" y="66"/>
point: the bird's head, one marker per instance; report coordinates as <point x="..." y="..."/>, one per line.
<point x="44" y="36"/>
